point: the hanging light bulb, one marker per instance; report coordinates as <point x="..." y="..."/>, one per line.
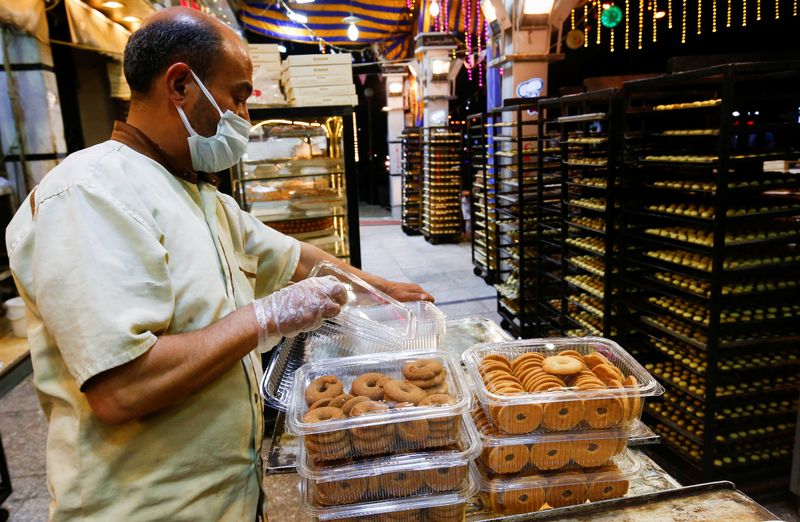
<point x="434" y="9"/>
<point x="352" y="29"/>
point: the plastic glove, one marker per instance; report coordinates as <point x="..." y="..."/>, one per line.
<point x="301" y="307"/>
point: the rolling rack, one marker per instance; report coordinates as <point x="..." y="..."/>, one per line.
<point x="441" y="184"/>
<point x="411" y="203"/>
<point x="515" y="158"/>
<point x="482" y="198"/>
<point x="548" y="220"/>
<point x="590" y="148"/>
<point x="715" y="259"/>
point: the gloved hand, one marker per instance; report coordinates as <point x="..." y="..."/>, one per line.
<point x="301" y="307"/>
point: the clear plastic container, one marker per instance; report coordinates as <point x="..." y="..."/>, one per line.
<point x="564" y="384"/>
<point x="391" y="477"/>
<point x="512" y="456"/>
<point x="558" y="489"/>
<point x="450" y="507"/>
<point x="406" y="418"/>
<point x="414" y="325"/>
<point x="469" y="331"/>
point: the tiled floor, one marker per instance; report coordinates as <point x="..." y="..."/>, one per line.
<point x="443" y="270"/>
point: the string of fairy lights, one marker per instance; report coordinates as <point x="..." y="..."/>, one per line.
<point x="656" y="16"/>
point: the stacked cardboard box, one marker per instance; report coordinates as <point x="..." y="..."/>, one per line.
<point x="319" y="79"/>
<point x="266" y="75"/>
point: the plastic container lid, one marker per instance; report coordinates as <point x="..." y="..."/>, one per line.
<point x="646" y="384"/>
<point x="365" y="510"/>
<point x="627" y="465"/>
<point x="367" y="307"/>
<point x="469" y="331"/>
<point x="469" y="448"/>
<point x="347" y="369"/>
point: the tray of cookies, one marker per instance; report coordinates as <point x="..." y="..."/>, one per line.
<point x="510" y="456"/>
<point x="377" y="404"/>
<point x="558" y="489"/>
<point x="558" y="385"/>
<point x="394" y="476"/>
<point x="446" y="507"/>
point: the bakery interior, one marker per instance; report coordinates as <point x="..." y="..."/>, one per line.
<point x="602" y="195"/>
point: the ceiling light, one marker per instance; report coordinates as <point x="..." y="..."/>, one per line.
<point x="111" y="4"/>
<point x="132" y="19"/>
<point x="296" y="17"/>
<point x="434" y="9"/>
<point x="534" y="7"/>
<point x="395" y="88"/>
<point x="352" y="29"/>
<point x="303" y="1"/>
<point x="660" y="14"/>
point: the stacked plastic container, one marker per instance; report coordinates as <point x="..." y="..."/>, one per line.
<point x="555" y="417"/>
<point x="379" y="444"/>
<point x="371" y="322"/>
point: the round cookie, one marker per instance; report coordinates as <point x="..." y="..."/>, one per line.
<point x="441" y="480"/>
<point x="436" y="390"/>
<point x="566" y="494"/>
<point x="413" y="431"/>
<point x="325" y="401"/>
<point x="506" y="459"/>
<point x="401" y="483"/>
<point x="519" y="418"/>
<point x="635" y="401"/>
<point x="603" y="413"/>
<point x="368" y="385"/>
<point x="322" y="414"/>
<point x="407" y="515"/>
<point x="532" y="356"/>
<point x="594" y="452"/>
<point x="339" y="401"/>
<point x="607" y="490"/>
<point x="429" y="383"/>
<point x="550" y="455"/>
<point x="561" y="416"/>
<point x="337" y="492"/>
<point x="593" y="359"/>
<point x="379" y="446"/>
<point x="422" y="369"/>
<point x="403" y="391"/>
<point x="451" y="513"/>
<point x="526" y="500"/>
<point x="321" y="387"/>
<point x="497" y="357"/>
<point x="347" y="406"/>
<point x="562" y="365"/>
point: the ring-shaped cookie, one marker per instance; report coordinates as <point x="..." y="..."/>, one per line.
<point x="422" y="369"/>
<point x="531" y="356"/>
<point x="603" y="413"/>
<point x="562" y="415"/>
<point x="445" y="479"/>
<point x="519" y="418"/>
<point x="368" y="385"/>
<point x="567" y="494"/>
<point x="595" y="358"/>
<point x="507" y="459"/>
<point x="401" y="483"/>
<point x="607" y="490"/>
<point x="594" y="452"/>
<point x="550" y="455"/>
<point x="323" y="386"/>
<point x="526" y="500"/>
<point x="562" y="365"/>
<point x="403" y="391"/>
<point x="338" y="492"/>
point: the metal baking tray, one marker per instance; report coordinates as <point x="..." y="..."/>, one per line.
<point x="703" y="502"/>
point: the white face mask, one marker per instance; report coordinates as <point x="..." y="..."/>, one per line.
<point x="224" y="149"/>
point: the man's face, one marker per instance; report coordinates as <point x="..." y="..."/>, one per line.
<point x="230" y="83"/>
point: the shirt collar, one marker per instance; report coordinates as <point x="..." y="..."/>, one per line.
<point x="132" y="137"/>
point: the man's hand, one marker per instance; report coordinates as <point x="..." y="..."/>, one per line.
<point x="301" y="307"/>
<point x="405" y="292"/>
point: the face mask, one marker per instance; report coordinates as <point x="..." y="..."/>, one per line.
<point x="224" y="149"/>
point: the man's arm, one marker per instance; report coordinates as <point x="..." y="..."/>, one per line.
<point x="311" y="255"/>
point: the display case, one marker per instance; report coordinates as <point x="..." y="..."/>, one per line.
<point x="590" y="149"/>
<point x="411" y="204"/>
<point x="441" y="184"/>
<point x="482" y="198"/>
<point x="710" y="243"/>
<point x="298" y="176"/>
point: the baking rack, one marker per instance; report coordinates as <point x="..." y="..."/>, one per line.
<point x="411" y="204"/>
<point x="482" y="198"/>
<point x="442" y="149"/>
<point x="711" y="265"/>
<point x="590" y="153"/>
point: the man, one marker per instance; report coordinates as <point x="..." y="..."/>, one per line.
<point x="140" y="281"/>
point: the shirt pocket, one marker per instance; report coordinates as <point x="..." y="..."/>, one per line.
<point x="248" y="268"/>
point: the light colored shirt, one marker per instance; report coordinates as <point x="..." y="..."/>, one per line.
<point x="117" y="252"/>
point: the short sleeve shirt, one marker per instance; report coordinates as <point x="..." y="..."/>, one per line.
<point x="116" y="252"/>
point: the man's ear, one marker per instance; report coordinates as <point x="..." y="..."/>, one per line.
<point x="176" y="80"/>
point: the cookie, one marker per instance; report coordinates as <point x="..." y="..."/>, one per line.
<point x="423" y="369"/>
<point x="401" y="483"/>
<point x="519" y="418"/>
<point x="506" y="459"/>
<point x="562" y="365"/>
<point x="403" y="391"/>
<point x="603" y="413"/>
<point x="368" y="385"/>
<point x="593" y="453"/>
<point x="605" y="490"/>
<point x="550" y="455"/>
<point x="325" y="386"/>
<point x="323" y="414"/>
<point x="339" y="401"/>
<point x="442" y="480"/>
<point x="413" y="431"/>
<point x="563" y="415"/>
<point x="566" y="494"/>
<point x="525" y="500"/>
<point x="429" y="383"/>
<point x="338" y="492"/>
<point x="348" y="405"/>
<point x="531" y="356"/>
<point x="595" y="358"/>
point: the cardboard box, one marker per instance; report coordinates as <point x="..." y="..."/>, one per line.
<point x="303" y="60"/>
<point x="296" y="82"/>
<point x="319" y="101"/>
<point x="321" y="90"/>
<point x="267" y="71"/>
<point x="319" y="70"/>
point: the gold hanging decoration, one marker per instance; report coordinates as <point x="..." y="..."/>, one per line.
<point x="627" y="23"/>
<point x="713" y="16"/>
<point x="669" y="14"/>
<point x="599" y="8"/>
<point x="683" y="23"/>
<point x="794" y="7"/>
<point x="655" y="28"/>
<point x="699" y="16"/>
<point x="728" y="23"/>
<point x="777" y="9"/>
<point x="586" y="25"/>
<point x="758" y="10"/>
<point x="641" y="22"/>
<point x="744" y="13"/>
<point x="572" y="19"/>
<point x="611" y="41"/>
